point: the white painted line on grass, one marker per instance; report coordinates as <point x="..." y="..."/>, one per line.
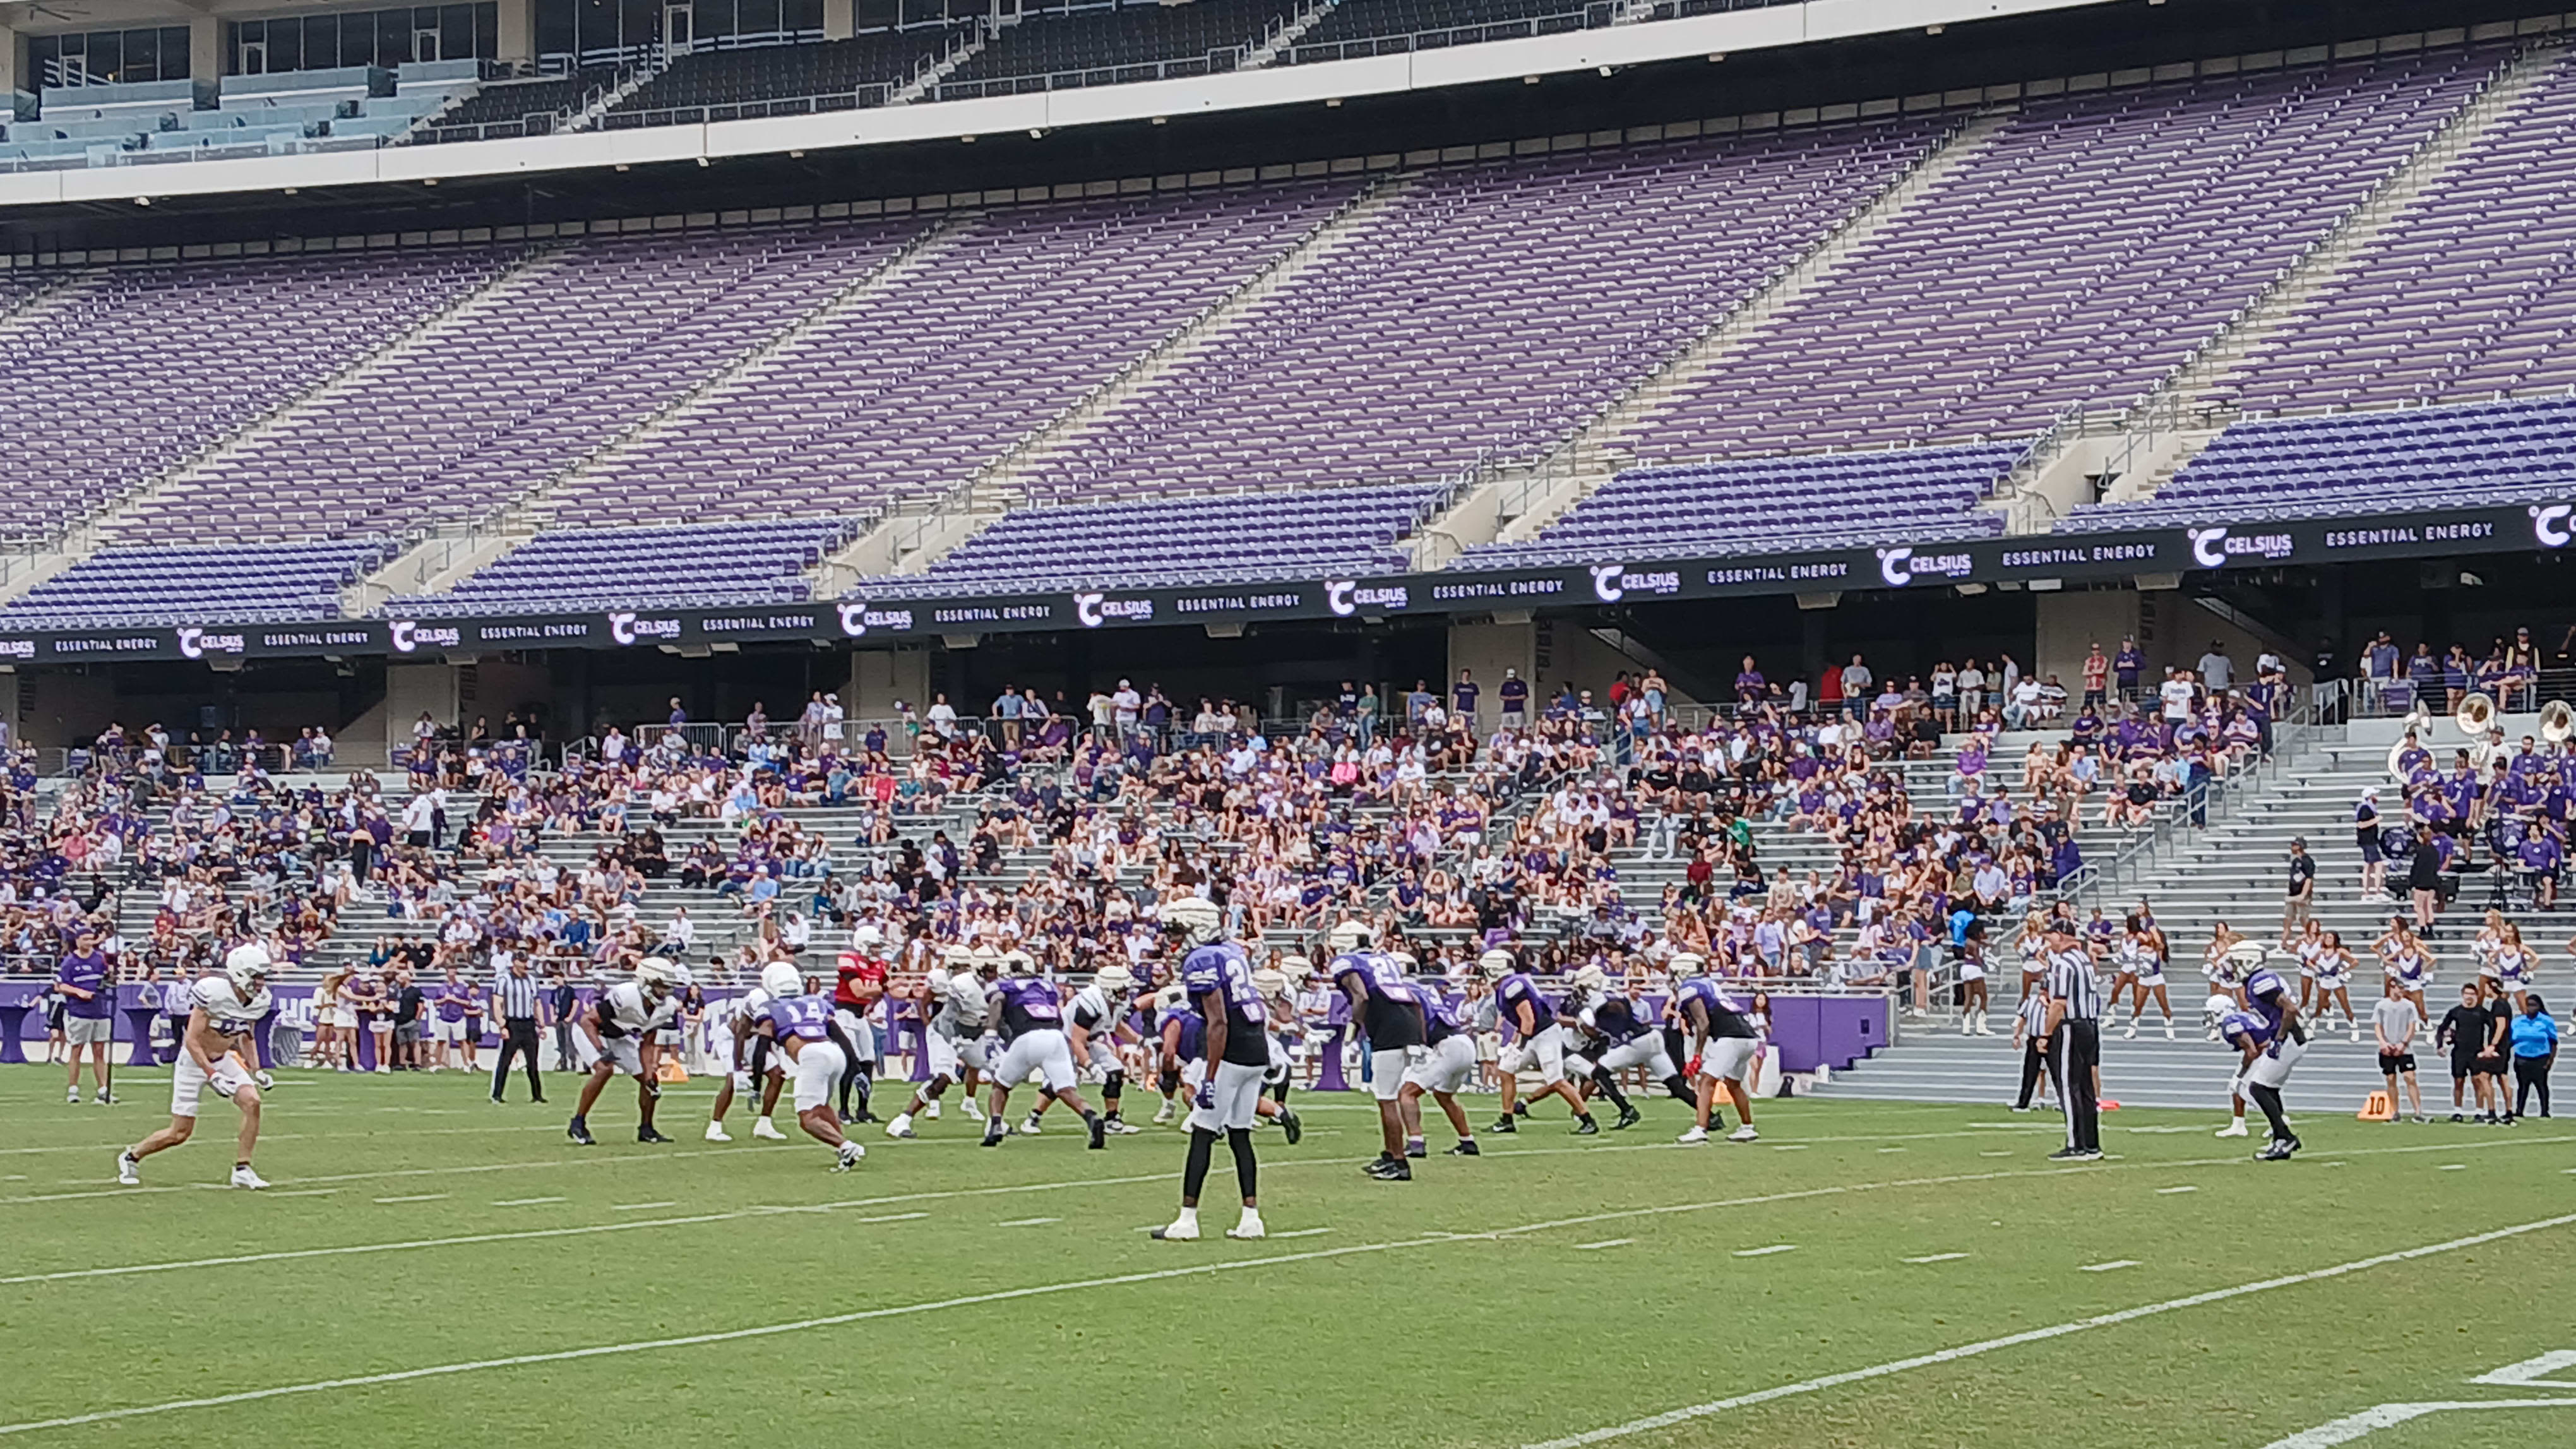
<point x="2113" y="1266"/>
<point x="2386" y="1416"/>
<point x="1766" y="1252"/>
<point x="1885" y="1150"/>
<point x="2533" y="1373"/>
<point x="2455" y="1167"/>
<point x="528" y="1201"/>
<point x="415" y="1197"/>
<point x="1604" y="1243"/>
<point x="1938" y="1258"/>
<point x="304" y="1192"/>
<point x="892" y="1218"/>
<point x="639" y="1207"/>
<point x="2036" y="1335"/>
<point x="1790" y="1147"/>
<point x="1028" y="1222"/>
<point x="2170" y="1191"/>
<point x="1994" y="1154"/>
<point x="1303" y="1233"/>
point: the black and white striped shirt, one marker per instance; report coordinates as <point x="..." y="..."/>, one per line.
<point x="517" y="995"/>
<point x="2070" y="980"/>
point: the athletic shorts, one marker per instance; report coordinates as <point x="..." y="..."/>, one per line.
<point x="1101" y="1055"/>
<point x="861" y="1032"/>
<point x="1543" y="1054"/>
<point x="2463" y="1065"/>
<point x="2272" y="1069"/>
<point x="2392" y="1063"/>
<point x="1645" y="1051"/>
<point x="816" y="1072"/>
<point x="1044" y="1055"/>
<point x="1237" y="1099"/>
<point x="2495" y="1066"/>
<point x="1451" y="1065"/>
<point x="188" y="1081"/>
<point x="1282" y="1061"/>
<point x="407" y="1032"/>
<point x="622" y="1052"/>
<point x="951" y="1059"/>
<point x="451" y="1032"/>
<point x="1386" y="1072"/>
<point x="89" y="1030"/>
<point x="1726" y="1058"/>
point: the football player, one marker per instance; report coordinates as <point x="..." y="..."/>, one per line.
<point x="1216" y="982"/>
<point x="1095" y="1026"/>
<point x="1722" y="1042"/>
<point x="1024" y="1006"/>
<point x="1389" y="1010"/>
<point x="215" y="1050"/>
<point x="956" y="999"/>
<point x="2271" y="1039"/>
<point x="1538" y="1042"/>
<point x="860" y="985"/>
<point x="613" y="1037"/>
<point x="1449" y="1066"/>
<point x="1622" y="1038"/>
<point x="802" y="1025"/>
<point x="742" y="1073"/>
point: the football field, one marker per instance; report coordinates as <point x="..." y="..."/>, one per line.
<point x="430" y="1269"/>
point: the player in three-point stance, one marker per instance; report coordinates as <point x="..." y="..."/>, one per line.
<point x="1538" y="1044"/>
<point x="768" y="1080"/>
<point x="609" y="1038"/>
<point x="1450" y="1066"/>
<point x="801" y="1025"/>
<point x="1216" y="981"/>
<point x="215" y="1050"/>
<point x="1722" y="1042"/>
<point x="1031" y="1020"/>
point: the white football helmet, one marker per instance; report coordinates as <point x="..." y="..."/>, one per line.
<point x="1688" y="964"/>
<point x="1590" y="978"/>
<point x="657" y="974"/>
<point x="246" y="967"/>
<point x="1347" y="936"/>
<point x="866" y="938"/>
<point x="780" y="980"/>
<point x="1114" y="980"/>
<point x="1404" y="962"/>
<point x="1196" y="919"/>
<point x="1296" y="968"/>
<point x="1273" y="985"/>
<point x="1496" y="964"/>
<point x="958" y="958"/>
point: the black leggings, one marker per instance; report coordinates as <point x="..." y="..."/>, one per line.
<point x="2531" y="1074"/>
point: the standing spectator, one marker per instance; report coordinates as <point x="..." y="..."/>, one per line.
<point x="561" y="999"/>
<point x="2217" y="671"/>
<point x="449" y="999"/>
<point x="1126" y="707"/>
<point x="2464" y="1031"/>
<point x="2396" y="1021"/>
<point x="408" y="1000"/>
<point x="520" y="1005"/>
<point x="1749" y="685"/>
<point x="2378" y="670"/>
<point x="2074" y="1030"/>
<point x="2424" y="879"/>
<point x="1007" y="707"/>
<point x="1515" y="693"/>
<point x="2175" y="697"/>
<point x="89" y="1010"/>
<point x="2299" y="906"/>
<point x="1857" y="679"/>
<point x="1463" y="698"/>
<point x="2097" y="672"/>
<point x="2535" y="1046"/>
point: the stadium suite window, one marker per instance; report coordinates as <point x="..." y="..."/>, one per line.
<point x="902" y="14"/>
<point x="610" y="32"/>
<point x="362" y="37"/>
<point x="108" y="57"/>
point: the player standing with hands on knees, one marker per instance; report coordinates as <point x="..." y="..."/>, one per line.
<point x="215" y="1050"/>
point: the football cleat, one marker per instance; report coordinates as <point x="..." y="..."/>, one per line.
<point x="1744" y="1133"/>
<point x="1249" y="1227"/>
<point x="1507" y="1124"/>
<point x="1291" y="1127"/>
<point x="1586" y="1127"/>
<point x="579" y="1131"/>
<point x="1119" y="1128"/>
<point x="967" y="1106"/>
<point x="1183" y="1229"/>
<point x="1693" y="1137"/>
<point x="849" y="1155"/>
<point x="1029" y="1125"/>
<point x="1466" y="1148"/>
<point x="128" y="1170"/>
<point x="1163" y="1114"/>
<point x="994" y="1132"/>
<point x="1390" y="1169"/>
<point x="2233" y="1129"/>
<point x="648" y="1134"/>
<point x="1628" y="1117"/>
<point x="244" y="1177"/>
<point x="931" y="1111"/>
<point x="1416" y="1149"/>
<point x="2275" y="1151"/>
<point x="716" y="1133"/>
<point x="1099" y="1134"/>
<point x="764" y="1128"/>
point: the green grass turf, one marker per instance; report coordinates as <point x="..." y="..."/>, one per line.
<point x="1372" y="1332"/>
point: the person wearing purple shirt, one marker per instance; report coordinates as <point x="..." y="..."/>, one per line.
<point x="89" y="1010"/>
<point x="448" y="997"/>
<point x="1025" y="1008"/>
<point x="1749" y="684"/>
<point x="801" y="1025"/>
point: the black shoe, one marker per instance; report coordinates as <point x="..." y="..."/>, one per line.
<point x="1391" y="1169"/>
<point x="1586" y="1127"/>
<point x="496" y="1099"/>
<point x="1290" y="1127"/>
<point x="647" y="1134"/>
<point x="540" y="1101"/>
<point x="993" y="1132"/>
<point x="579" y="1131"/>
<point x="1520" y="1108"/>
<point x="2456" y="1117"/>
<point x="1099" y="1134"/>
<point x="1416" y="1149"/>
<point x="1507" y="1124"/>
<point x="1465" y="1149"/>
<point x="2066" y="1154"/>
<point x="2275" y="1152"/>
<point x="1628" y="1117"/>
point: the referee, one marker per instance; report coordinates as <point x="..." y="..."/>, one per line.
<point x="2074" y="1030"/>
<point x="518" y="1001"/>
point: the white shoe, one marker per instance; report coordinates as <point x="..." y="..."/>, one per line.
<point x="1693" y="1137"/>
<point x="716" y="1133"/>
<point x="1182" y="1229"/>
<point x="1163" y="1114"/>
<point x="2129" y="1032"/>
<point x="851" y="1153"/>
<point x="128" y="1171"/>
<point x="901" y="1126"/>
<point x="244" y="1177"/>
<point x="1964" y="1027"/>
<point x="2169" y="1036"/>
<point x="1249" y="1227"/>
<point x="1744" y="1133"/>
<point x="1029" y="1125"/>
<point x="931" y="1111"/>
<point x="762" y="1127"/>
<point x="1982" y="1028"/>
<point x="967" y="1106"/>
<point x="2356" y="1036"/>
<point x="2233" y="1129"/>
<point x="1123" y="1128"/>
<point x="74" y="1099"/>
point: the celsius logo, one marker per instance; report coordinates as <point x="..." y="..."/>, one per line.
<point x="857" y="619"/>
<point x="408" y="636"/>
<point x="2549" y="524"/>
<point x="197" y="643"/>
<point x="1902" y="566"/>
<point x="17" y="648"/>
<point x="2213" y="547"/>
<point x="627" y="628"/>
<point x="1613" y="582"/>
<point x="1094" y="609"/>
<point x="1344" y="597"/>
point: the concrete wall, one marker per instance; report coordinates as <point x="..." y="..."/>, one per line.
<point x="411" y="689"/>
<point x="2070" y="624"/>
<point x="56" y="709"/>
<point x="879" y="677"/>
<point x="1489" y="650"/>
<point x="11" y="47"/>
<point x="205" y="48"/>
<point x="490" y="690"/>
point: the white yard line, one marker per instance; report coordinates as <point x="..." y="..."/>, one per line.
<point x="2110" y="1267"/>
<point x="1766" y="1252"/>
<point x="2170" y="1191"/>
<point x="1714" y="1407"/>
<point x="1938" y="1258"/>
<point x="528" y="1201"/>
<point x="2386" y="1416"/>
<point x="1604" y="1243"/>
<point x="415" y="1197"/>
<point x="1028" y="1222"/>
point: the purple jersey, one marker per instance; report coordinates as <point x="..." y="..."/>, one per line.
<point x="809" y="1017"/>
<point x="1615" y="1018"/>
<point x="2250" y="1026"/>
<point x="1193" y="1042"/>
<point x="1389" y="1004"/>
<point x="453" y="997"/>
<point x="1519" y="989"/>
<point x="1725" y="1018"/>
<point x="1441" y="1021"/>
<point x="1223" y="970"/>
<point x="1028" y="1005"/>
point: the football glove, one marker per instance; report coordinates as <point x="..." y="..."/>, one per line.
<point x="263" y="1080"/>
<point x="1206" y="1098"/>
<point x="223" y="1086"/>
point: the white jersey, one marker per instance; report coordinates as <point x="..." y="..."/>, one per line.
<point x="224" y="1007"/>
<point x="624" y="1008"/>
<point x="1093" y="1011"/>
<point x="958" y="998"/>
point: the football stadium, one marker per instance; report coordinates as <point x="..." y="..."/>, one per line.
<point x="1488" y="724"/>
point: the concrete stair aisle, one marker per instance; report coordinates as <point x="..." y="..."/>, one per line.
<point x="1931" y="1062"/>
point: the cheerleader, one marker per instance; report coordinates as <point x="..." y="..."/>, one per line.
<point x="2333" y="980"/>
<point x="2307" y="944"/>
<point x="2142" y="967"/>
<point x="2488" y="941"/>
<point x="2031" y="943"/>
<point x="2226" y="976"/>
<point x="1972" y="989"/>
<point x="2510" y="965"/>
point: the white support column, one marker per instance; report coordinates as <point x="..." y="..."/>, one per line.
<point x="518" y="39"/>
<point x="840" y="19"/>
<point x="205" y="48"/>
<point x="412" y="690"/>
<point x="12" y="62"/>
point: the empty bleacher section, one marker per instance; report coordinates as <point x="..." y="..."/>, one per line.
<point x="1109" y="44"/>
<point x="1772" y="504"/>
<point x="532" y="106"/>
<point x="2093" y="245"/>
<point x="725" y="85"/>
<point x="1355" y="28"/>
<point x="2469" y="293"/>
<point x="538" y="373"/>
<point x="201" y="585"/>
<point x="1486" y="312"/>
<point x="997" y="327"/>
<point x="146" y="122"/>
<point x="1236" y="538"/>
<point x="123" y="374"/>
<point x="2390" y="460"/>
<point x="689" y="565"/>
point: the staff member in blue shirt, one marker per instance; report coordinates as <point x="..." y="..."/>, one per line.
<point x="2535" y="1046"/>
